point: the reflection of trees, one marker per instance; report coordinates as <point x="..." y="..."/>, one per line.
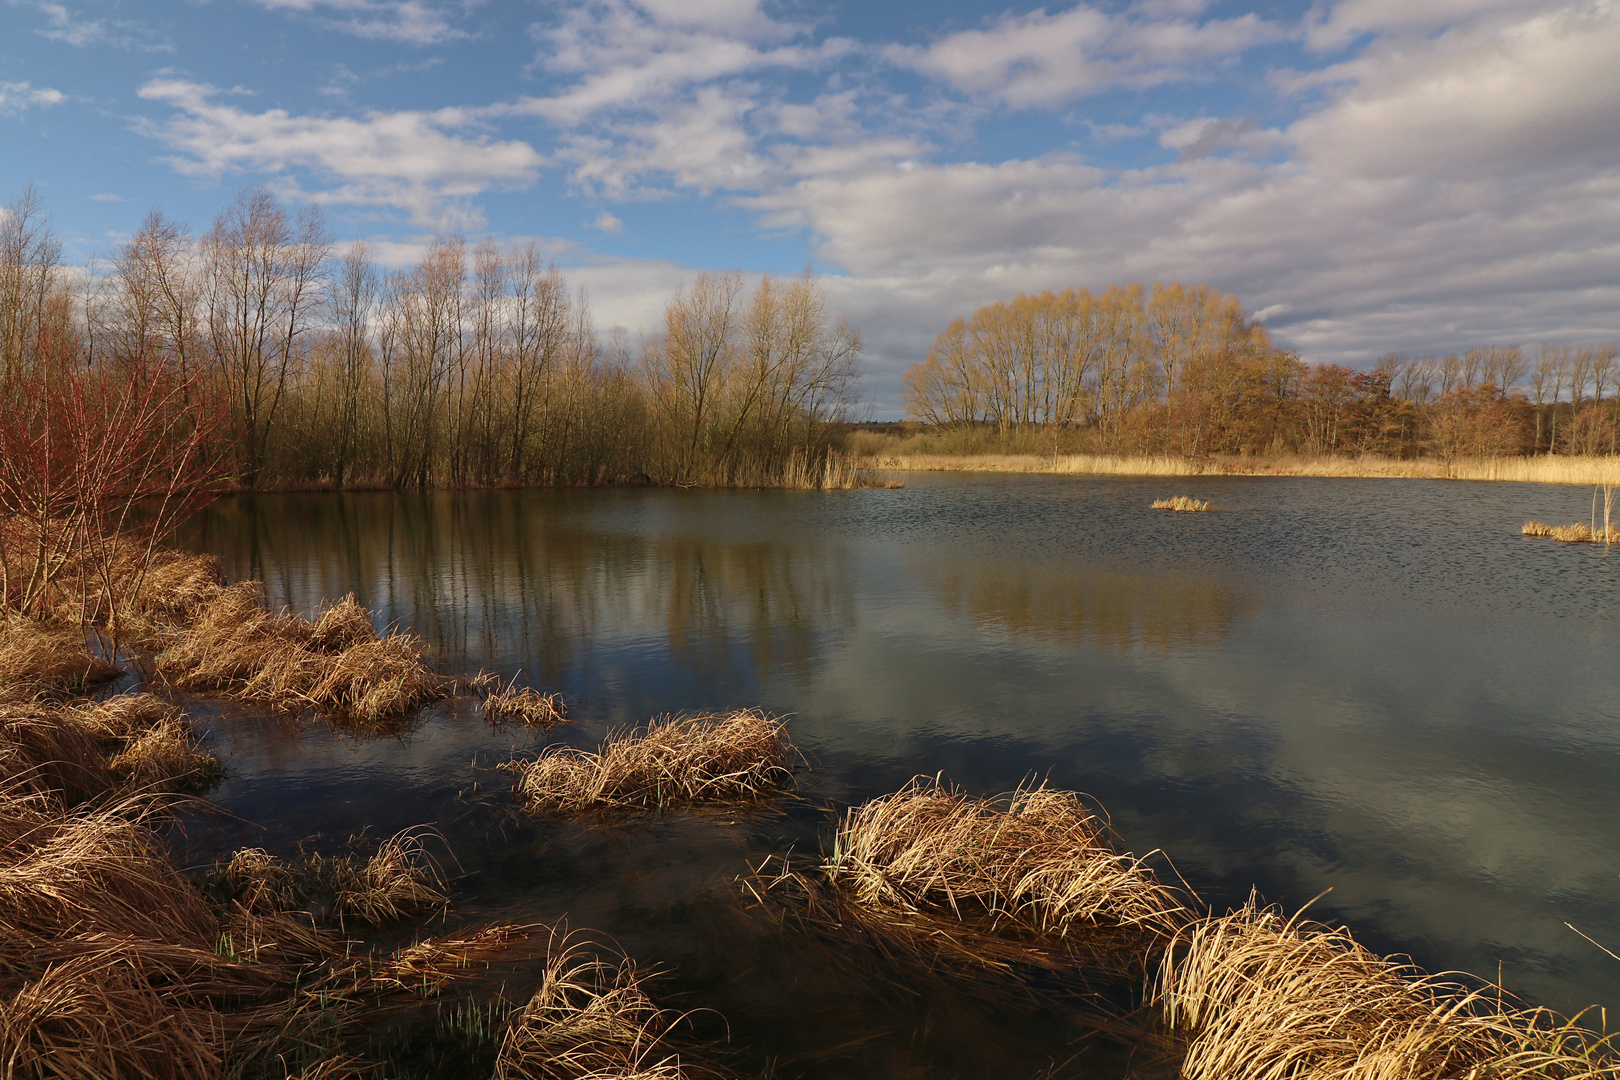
<point x="1163" y="610"/>
<point x="535" y="579"/>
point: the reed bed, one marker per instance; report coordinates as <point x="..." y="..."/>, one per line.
<point x="1578" y="533"/>
<point x="524" y="706"/>
<point x="1543" y="469"/>
<point x="1037" y="860"/>
<point x="738" y="756"/>
<point x="1259" y="997"/>
<point x="336" y="664"/>
<point x="1183" y="503"/>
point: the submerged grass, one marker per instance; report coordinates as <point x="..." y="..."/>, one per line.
<point x="1184" y="503"/>
<point x="720" y="758"/>
<point x="336" y="664"/>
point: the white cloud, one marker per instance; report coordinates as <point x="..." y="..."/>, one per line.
<point x="607" y="223"/>
<point x="628" y="55"/>
<point x="17" y="96"/>
<point x="1333" y="25"/>
<point x="1499" y="97"/>
<point x="1041" y="59"/>
<point x="412" y="22"/>
<point x="417" y="161"/>
<point x="64" y="25"/>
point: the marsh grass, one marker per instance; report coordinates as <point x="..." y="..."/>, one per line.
<point x="1541" y="469"/>
<point x="1184" y="503"/>
<point x="589" y="1018"/>
<point x="1257" y="996"/>
<point x="1036" y="859"/>
<point x="1578" y="533"/>
<point x="508" y="704"/>
<point x="40" y="659"/>
<point x="336" y="664"/>
<point x="738" y="756"/>
<point x="403" y="879"/>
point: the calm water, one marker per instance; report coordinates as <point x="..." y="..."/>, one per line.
<point x="1376" y="688"/>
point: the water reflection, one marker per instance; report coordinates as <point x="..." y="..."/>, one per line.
<point x="1063" y="603"/>
<point x="1378" y="688"/>
<point x="542" y="580"/>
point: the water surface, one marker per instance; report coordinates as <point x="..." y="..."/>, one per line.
<point x="1372" y="689"/>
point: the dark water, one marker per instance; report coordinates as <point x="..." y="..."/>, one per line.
<point x="1376" y="688"/>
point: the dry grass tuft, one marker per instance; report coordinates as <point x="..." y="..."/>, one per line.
<point x="179" y="585"/>
<point x="589" y="1018"/>
<point x="166" y="756"/>
<point x="402" y="880"/>
<point x="1260" y="996"/>
<point x="1535" y="528"/>
<point x="39" y="659"/>
<point x="523" y="706"/>
<point x="100" y="1015"/>
<point x="337" y="665"/>
<point x="1571" y="534"/>
<point x="1183" y="503"/>
<point x="1037" y="859"/>
<point x="739" y="756"/>
<point x="47" y="750"/>
<point x="431" y="964"/>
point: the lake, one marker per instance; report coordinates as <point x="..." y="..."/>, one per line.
<point x="1372" y="691"/>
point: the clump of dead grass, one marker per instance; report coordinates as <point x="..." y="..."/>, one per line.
<point x="1184" y="503"/>
<point x="1037" y="859"/>
<point x="1535" y="528"/>
<point x="39" y="659"/>
<point x="336" y="664"/>
<point x="716" y="758"/>
<point x="403" y="879"/>
<point x="589" y="1018"/>
<point x="1261" y="996"/>
<point x="524" y="706"/>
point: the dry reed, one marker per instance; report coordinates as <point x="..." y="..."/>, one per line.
<point x="1535" y="528"/>
<point x="1184" y="503"/>
<point x="734" y="757"/>
<point x="35" y="658"/>
<point x="589" y="1018"/>
<point x="1261" y="997"/>
<point x="1038" y="860"/>
<point x="523" y="706"/>
<point x="336" y="664"/>
<point x="1543" y="469"/>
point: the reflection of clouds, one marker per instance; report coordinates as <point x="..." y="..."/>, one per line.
<point x="544" y="579"/>
<point x="1320" y="694"/>
<point x="1065" y="603"/>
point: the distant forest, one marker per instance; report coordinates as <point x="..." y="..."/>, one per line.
<point x="1182" y="371"/>
<point x="476" y="366"/>
<point x="259" y="342"/>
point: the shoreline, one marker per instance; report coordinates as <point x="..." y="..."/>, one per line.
<point x="1542" y="469"/>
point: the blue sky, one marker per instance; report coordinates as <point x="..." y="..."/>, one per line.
<point x="1367" y="175"/>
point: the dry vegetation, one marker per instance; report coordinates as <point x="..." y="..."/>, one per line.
<point x="336" y="664"/>
<point x="1544" y="469"/>
<point x="523" y="705"/>
<point x="1039" y="860"/>
<point x="1257" y="995"/>
<point x="588" y="1019"/>
<point x="738" y="756"/>
<point x="1184" y="503"/>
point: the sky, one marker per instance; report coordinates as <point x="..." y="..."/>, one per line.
<point x="1367" y="176"/>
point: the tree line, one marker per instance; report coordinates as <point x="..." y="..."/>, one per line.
<point x="476" y="365"/>
<point x="1182" y="370"/>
